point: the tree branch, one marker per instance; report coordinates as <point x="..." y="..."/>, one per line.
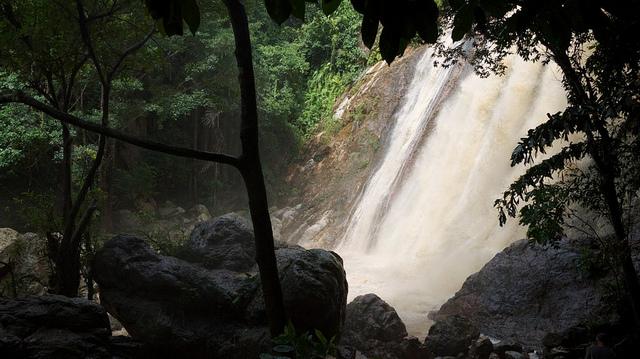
<point x="20" y="97"/>
<point x="86" y="38"/>
<point x="135" y="47"/>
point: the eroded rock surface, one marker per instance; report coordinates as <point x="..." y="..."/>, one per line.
<point x="24" y="268"/>
<point x="374" y="328"/>
<point x="527" y="291"/>
<point x="206" y="309"/>
<point x="451" y="336"/>
<point x="52" y="326"/>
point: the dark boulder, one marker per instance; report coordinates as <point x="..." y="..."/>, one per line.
<point x="507" y="346"/>
<point x="314" y="287"/>
<point x="527" y="291"/>
<point x="164" y="300"/>
<point x="206" y="310"/>
<point x="54" y="326"/>
<point x="451" y="336"/>
<point x="374" y="328"/>
<point x="225" y="242"/>
<point x="481" y="348"/>
<point x="369" y="317"/>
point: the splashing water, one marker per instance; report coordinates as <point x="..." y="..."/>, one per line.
<point x="425" y="220"/>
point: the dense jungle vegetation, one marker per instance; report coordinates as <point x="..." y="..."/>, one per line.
<point x="113" y="67"/>
<point x="180" y="90"/>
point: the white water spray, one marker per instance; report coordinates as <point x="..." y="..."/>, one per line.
<point x="425" y="220"/>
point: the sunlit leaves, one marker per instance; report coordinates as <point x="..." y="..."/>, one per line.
<point x="534" y="177"/>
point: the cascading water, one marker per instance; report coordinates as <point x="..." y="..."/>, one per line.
<point x="425" y="220"/>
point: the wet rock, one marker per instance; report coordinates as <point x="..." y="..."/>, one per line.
<point x="451" y="336"/>
<point x="373" y="327"/>
<point x="200" y="213"/>
<point x="513" y="355"/>
<point x="369" y="317"/>
<point x="164" y="300"/>
<point x="223" y="242"/>
<point x="53" y="326"/>
<point x="481" y="348"/>
<point x="7" y="237"/>
<point x="505" y="346"/>
<point x="206" y="310"/>
<point x="25" y="269"/>
<point x="314" y="287"/>
<point x="527" y="291"/>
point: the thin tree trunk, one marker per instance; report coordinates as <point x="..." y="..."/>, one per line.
<point x="251" y="170"/>
<point x="66" y="173"/>
<point x="194" y="164"/>
<point x="106" y="179"/>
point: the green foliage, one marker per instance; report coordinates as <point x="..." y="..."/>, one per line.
<point x="305" y="346"/>
<point x="596" y="125"/>
<point x="140" y="184"/>
<point x="37" y="209"/>
<point x="26" y="137"/>
<point x="323" y="89"/>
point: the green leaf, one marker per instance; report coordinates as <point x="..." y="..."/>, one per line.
<point x="191" y="14"/>
<point x="369" y="29"/>
<point x="329" y="6"/>
<point x="425" y="17"/>
<point x="278" y="10"/>
<point x="462" y="22"/>
<point x="495" y="8"/>
<point x="283" y="349"/>
<point x="298" y="8"/>
<point x="321" y="338"/>
<point x="389" y="44"/>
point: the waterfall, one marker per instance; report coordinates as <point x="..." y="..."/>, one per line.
<point x="425" y="219"/>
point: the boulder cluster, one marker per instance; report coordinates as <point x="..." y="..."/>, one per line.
<point x="205" y="301"/>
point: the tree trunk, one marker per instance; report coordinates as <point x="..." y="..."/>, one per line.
<point x="623" y="248"/>
<point x="106" y="179"/>
<point x="66" y="173"/>
<point x="251" y="170"/>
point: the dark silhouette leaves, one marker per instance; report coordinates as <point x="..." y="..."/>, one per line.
<point x="172" y="14"/>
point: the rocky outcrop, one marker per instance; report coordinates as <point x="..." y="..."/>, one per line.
<point x="24" y="269"/>
<point x="204" y="309"/>
<point x="314" y="287"/>
<point x="451" y="336"/>
<point x="338" y="161"/>
<point x="374" y="328"/>
<point x="527" y="291"/>
<point x="223" y="243"/>
<point x="58" y="327"/>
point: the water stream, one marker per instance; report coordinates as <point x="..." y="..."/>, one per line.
<point x="425" y="220"/>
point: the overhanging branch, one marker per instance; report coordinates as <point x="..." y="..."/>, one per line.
<point x="21" y="97"/>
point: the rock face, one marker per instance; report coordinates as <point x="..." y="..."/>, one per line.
<point x="55" y="327"/>
<point x="223" y="243"/>
<point x="527" y="291"/>
<point x="374" y="328"/>
<point x="24" y="269"/>
<point x="314" y="287"/>
<point x="451" y="336"/>
<point x="336" y="165"/>
<point x="203" y="308"/>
